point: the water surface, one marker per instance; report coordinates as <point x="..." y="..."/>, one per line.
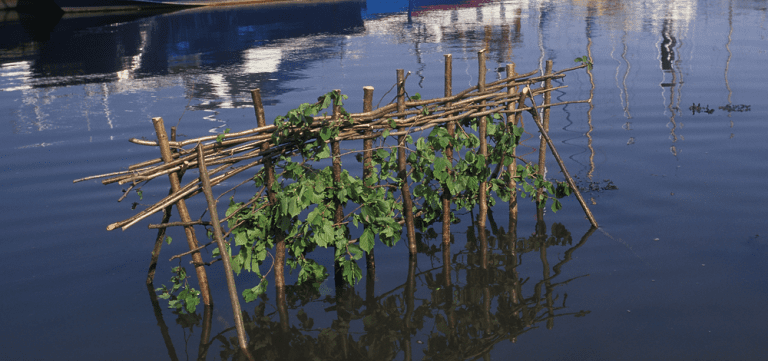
<point x="676" y="270"/>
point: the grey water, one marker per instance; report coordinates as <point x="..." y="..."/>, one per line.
<point x="671" y="156"/>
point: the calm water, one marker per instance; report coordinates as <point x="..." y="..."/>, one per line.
<point x="676" y="271"/>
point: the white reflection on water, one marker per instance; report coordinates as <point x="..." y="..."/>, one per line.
<point x="15" y="76"/>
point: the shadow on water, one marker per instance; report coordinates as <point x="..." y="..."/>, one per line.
<point x="452" y="311"/>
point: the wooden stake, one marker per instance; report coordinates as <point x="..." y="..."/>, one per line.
<point x="449" y="156"/>
<point x="370" y="261"/>
<point x="545" y="123"/>
<point x="181" y="206"/>
<point x="482" y="130"/>
<point x="512" y="119"/>
<point x="571" y="183"/>
<point x="270" y="181"/>
<point x="238" y="314"/>
<point x="161" y="231"/>
<point x="338" y="215"/>
<point x="402" y="172"/>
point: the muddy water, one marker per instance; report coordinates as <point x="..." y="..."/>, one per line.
<point x="671" y="157"/>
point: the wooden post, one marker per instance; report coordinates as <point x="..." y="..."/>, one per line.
<point x="512" y="119"/>
<point x="181" y="206"/>
<point x="261" y="121"/>
<point x="225" y="258"/>
<point x="482" y="130"/>
<point x="367" y="174"/>
<point x="542" y="142"/>
<point x="161" y="232"/>
<point x="402" y="173"/>
<point x="571" y="183"/>
<point x="451" y="127"/>
<point x="338" y="215"/>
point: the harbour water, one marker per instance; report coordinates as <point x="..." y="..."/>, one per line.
<point x="670" y="156"/>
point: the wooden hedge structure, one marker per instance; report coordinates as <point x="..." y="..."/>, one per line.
<point x="436" y="165"/>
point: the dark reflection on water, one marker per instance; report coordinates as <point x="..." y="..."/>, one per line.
<point x="453" y="311"/>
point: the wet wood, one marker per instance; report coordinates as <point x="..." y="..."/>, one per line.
<point x="181" y="207"/>
<point x="568" y="178"/>
<point x="217" y="234"/>
<point x="451" y="128"/>
<point x="402" y="172"/>
<point x="542" y="141"/>
<point x="482" y="134"/>
<point x="269" y="168"/>
<point x="338" y="215"/>
<point x="370" y="258"/>
<point x="512" y="120"/>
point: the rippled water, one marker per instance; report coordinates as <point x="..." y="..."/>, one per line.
<point x="676" y="270"/>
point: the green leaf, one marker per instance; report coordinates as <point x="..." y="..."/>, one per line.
<point x="252" y="293"/>
<point x="556" y="205"/>
<point x="168" y="240"/>
<point x="140" y="193"/>
<point x="392" y="123"/>
<point x="384" y="134"/>
<point x="367" y="240"/>
<point x="325" y="153"/>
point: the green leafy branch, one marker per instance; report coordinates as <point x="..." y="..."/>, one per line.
<point x="584" y="60"/>
<point x="186" y="300"/>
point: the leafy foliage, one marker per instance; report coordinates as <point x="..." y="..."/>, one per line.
<point x="187" y="300"/>
<point x="305" y="199"/>
<point x="584" y="60"/>
<point x="220" y="137"/>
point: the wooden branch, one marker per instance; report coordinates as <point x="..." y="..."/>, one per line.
<point x="191" y="251"/>
<point x="179" y="224"/>
<point x="571" y="183"/>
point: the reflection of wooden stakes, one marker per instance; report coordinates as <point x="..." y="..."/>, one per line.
<point x="571" y="183"/>
<point x="225" y="258"/>
<point x="181" y="206"/>
<point x="161" y="323"/>
<point x="205" y="333"/>
<point x="158" y="243"/>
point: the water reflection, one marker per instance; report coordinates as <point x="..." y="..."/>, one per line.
<point x="456" y="310"/>
<point x="80" y="49"/>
